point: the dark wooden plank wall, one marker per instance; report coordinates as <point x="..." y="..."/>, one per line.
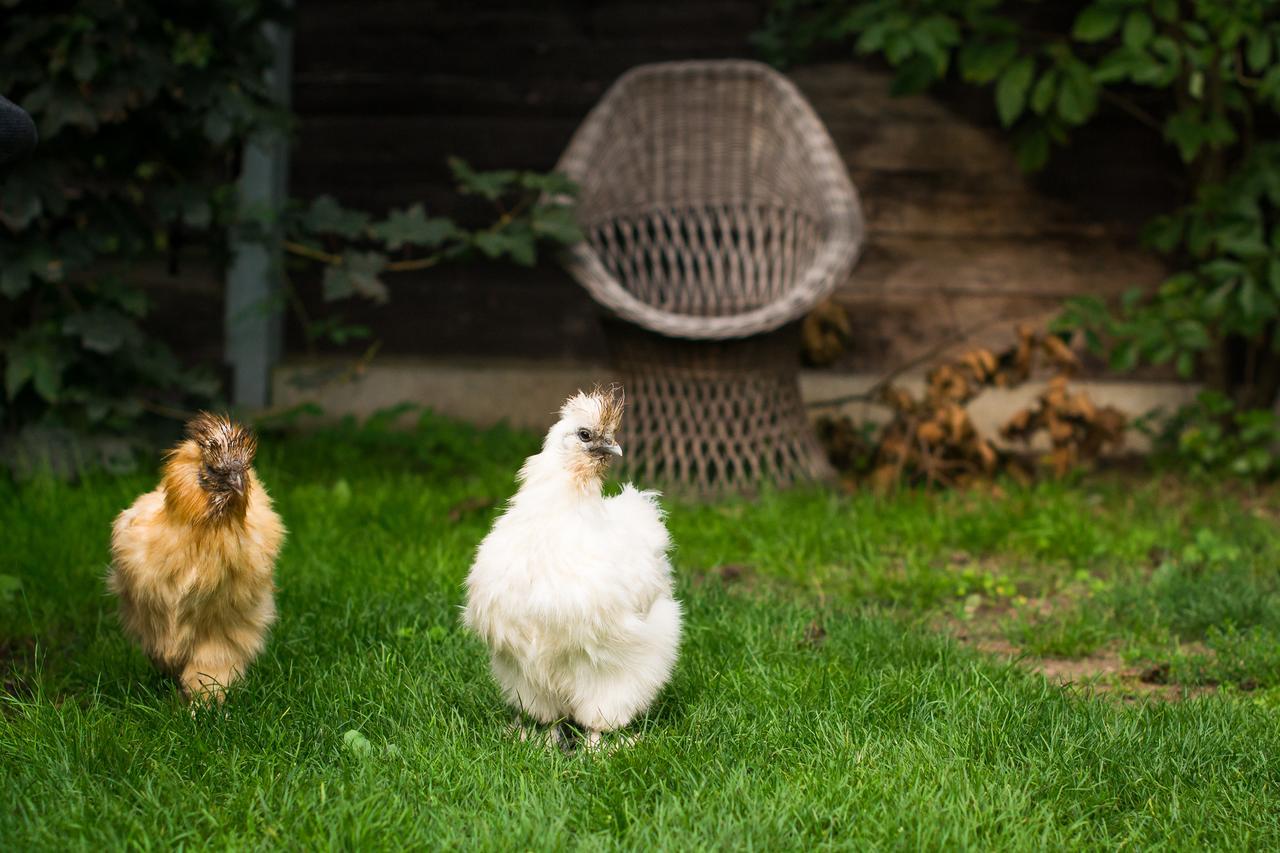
<point x="385" y="94"/>
<point x="387" y="89"/>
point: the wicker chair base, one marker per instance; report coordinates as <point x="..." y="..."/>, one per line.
<point x="709" y="418"/>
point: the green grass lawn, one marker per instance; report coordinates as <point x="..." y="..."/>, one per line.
<point x="822" y="697"/>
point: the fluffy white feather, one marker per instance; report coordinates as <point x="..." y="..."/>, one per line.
<point x="571" y="590"/>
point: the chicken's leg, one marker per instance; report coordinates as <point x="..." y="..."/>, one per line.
<point x="208" y="674"/>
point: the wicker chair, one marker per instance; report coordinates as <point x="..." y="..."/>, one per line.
<point x="717" y="213"/>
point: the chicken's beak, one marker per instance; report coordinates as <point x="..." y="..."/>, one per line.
<point x="603" y="450"/>
<point x="236" y="479"/>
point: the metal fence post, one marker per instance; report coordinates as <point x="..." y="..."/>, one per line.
<point x="254" y="320"/>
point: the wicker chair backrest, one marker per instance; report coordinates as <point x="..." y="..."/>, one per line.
<point x="713" y="200"/>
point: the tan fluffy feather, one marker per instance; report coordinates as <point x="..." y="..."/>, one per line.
<point x="194" y="561"/>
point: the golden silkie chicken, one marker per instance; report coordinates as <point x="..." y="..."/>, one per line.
<point x="194" y="560"/>
<point x="571" y="590"/>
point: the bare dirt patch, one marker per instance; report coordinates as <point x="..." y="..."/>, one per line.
<point x="1103" y="673"/>
<point x="733" y="576"/>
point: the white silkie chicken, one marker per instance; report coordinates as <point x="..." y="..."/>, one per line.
<point x="571" y="590"/>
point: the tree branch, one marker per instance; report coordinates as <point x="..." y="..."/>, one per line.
<point x="1134" y="111"/>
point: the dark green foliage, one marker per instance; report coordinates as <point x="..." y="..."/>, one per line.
<point x="142" y="108"/>
<point x="1204" y="74"/>
<point x="1212" y="436"/>
<point x="1229" y="237"/>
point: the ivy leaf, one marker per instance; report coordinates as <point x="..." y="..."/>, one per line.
<point x="980" y="62"/>
<point x="1119" y="64"/>
<point x="412" y="227"/>
<point x="1220" y="269"/>
<point x="1245" y="243"/>
<point x="873" y="37"/>
<point x="552" y="183"/>
<point x="1184" y="130"/>
<point x="898" y="46"/>
<point x="1125" y="356"/>
<point x="1195" y="84"/>
<point x="1186" y="363"/>
<point x="1215" y="304"/>
<point x="557" y="223"/>
<point x="1042" y="95"/>
<point x="490" y="185"/>
<point x="932" y="38"/>
<point x="336" y="283"/>
<point x="1077" y="97"/>
<point x="1138" y="30"/>
<point x="1011" y="91"/>
<point x="1163" y="353"/>
<point x="1163" y="69"/>
<point x="101" y="329"/>
<point x="1259" y="52"/>
<point x="1096" y="22"/>
<point x="41" y="364"/>
<point x="1192" y="334"/>
<point x="515" y="243"/>
<point x="941" y="30"/>
<point x="357" y="274"/>
<point x="326" y="216"/>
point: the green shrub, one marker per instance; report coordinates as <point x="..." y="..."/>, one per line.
<point x="1203" y="74"/>
<point x="143" y="109"/>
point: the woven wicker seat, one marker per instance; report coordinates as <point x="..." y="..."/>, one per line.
<point x="715" y="209"/>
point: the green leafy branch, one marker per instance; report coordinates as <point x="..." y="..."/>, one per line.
<point x="1044" y="84"/>
<point x="531" y="210"/>
<point x="142" y="108"/>
<point x="1205" y="75"/>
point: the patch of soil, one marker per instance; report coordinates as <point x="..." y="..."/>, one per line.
<point x="1102" y="673"/>
<point x="729" y="575"/>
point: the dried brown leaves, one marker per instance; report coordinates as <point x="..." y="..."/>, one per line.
<point x="931" y="440"/>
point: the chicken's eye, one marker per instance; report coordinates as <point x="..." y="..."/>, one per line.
<point x="584" y="434"/>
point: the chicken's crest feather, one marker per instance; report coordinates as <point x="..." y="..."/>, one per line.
<point x="602" y="406"/>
